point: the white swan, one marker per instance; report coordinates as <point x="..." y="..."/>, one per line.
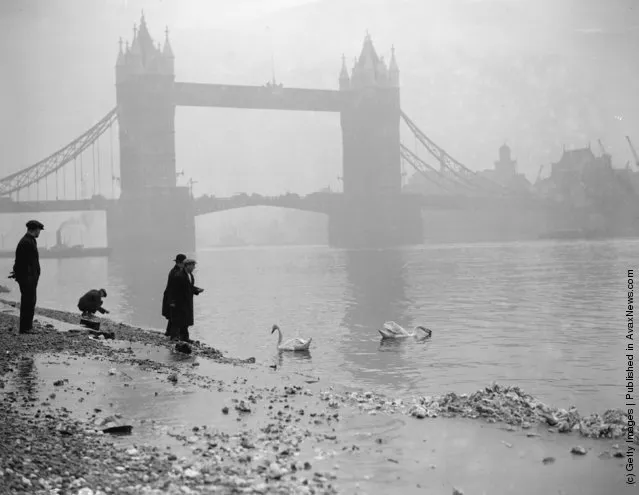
<point x="295" y="344"/>
<point x="392" y="330"/>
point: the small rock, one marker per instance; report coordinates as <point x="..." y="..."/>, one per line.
<point x="85" y="491"/>
<point x="275" y="471"/>
<point x="578" y="450"/>
<point x="564" y="427"/>
<point x="548" y="460"/>
<point x="419" y="412"/>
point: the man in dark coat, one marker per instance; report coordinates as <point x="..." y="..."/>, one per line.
<point x="181" y="302"/>
<point x="166" y="310"/>
<point x="26" y="271"/>
<point x="92" y="302"/>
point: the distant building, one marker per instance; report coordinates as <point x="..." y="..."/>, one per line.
<point x="505" y="171"/>
<point x="581" y="178"/>
<point x="574" y="164"/>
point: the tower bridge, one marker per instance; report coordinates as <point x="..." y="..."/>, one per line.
<point x="372" y="210"/>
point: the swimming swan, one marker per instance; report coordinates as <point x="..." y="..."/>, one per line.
<point x="295" y="344"/>
<point x="392" y="330"/>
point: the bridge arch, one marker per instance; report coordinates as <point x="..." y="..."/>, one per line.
<point x="261" y="225"/>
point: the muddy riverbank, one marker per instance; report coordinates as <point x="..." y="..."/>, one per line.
<point x="211" y="423"/>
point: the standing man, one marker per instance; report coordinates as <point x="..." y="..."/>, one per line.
<point x="166" y="309"/>
<point x="26" y="271"/>
<point x="189" y="266"/>
<point x="181" y="302"/>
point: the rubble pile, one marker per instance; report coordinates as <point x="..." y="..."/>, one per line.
<point x="511" y="405"/>
<point x="262" y="462"/>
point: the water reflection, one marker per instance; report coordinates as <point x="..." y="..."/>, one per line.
<point x="26" y="376"/>
<point x="142" y="279"/>
<point x="293" y="359"/>
<point x="396" y="345"/>
<point x="376" y="282"/>
<point x="377" y="290"/>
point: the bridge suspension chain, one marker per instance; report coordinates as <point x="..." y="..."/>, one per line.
<point x="50" y="165"/>
<point x="443" y="180"/>
<point x="449" y="163"/>
<point x="424" y="168"/>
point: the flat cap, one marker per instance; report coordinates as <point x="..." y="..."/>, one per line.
<point x="190" y="261"/>
<point x="34" y="224"/>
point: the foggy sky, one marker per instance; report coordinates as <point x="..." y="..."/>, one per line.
<point x="537" y="74"/>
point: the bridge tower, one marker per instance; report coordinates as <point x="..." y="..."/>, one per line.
<point x="374" y="211"/>
<point x="152" y="211"/>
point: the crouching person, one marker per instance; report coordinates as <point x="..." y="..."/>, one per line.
<point x="92" y="302"/>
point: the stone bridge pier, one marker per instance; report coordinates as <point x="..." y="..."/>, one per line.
<point x="158" y="220"/>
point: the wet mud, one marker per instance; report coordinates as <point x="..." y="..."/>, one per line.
<point x="209" y="423"/>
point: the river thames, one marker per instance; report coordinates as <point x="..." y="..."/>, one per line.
<point x="547" y="316"/>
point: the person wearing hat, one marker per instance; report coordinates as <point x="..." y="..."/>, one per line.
<point x="26" y="271"/>
<point x="92" y="302"/>
<point x="189" y="266"/>
<point x="166" y="308"/>
<point x="181" y="303"/>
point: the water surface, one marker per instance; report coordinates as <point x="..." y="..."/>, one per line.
<point x="549" y="316"/>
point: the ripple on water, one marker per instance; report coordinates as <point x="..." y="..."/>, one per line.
<point x="543" y="314"/>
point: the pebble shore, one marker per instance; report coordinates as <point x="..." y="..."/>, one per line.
<point x="49" y="449"/>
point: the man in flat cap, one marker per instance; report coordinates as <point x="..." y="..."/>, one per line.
<point x="26" y="271"/>
<point x="92" y="302"/>
<point x="166" y="308"/>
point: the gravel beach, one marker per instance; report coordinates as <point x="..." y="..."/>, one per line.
<point x="261" y="432"/>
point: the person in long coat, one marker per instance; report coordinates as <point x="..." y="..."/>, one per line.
<point x="166" y="309"/>
<point x="26" y="271"/>
<point x="181" y="303"/>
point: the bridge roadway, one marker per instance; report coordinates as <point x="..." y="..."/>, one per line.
<point x="95" y="203"/>
<point x="315" y="202"/>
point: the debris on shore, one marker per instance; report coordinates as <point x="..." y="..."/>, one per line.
<point x="45" y="450"/>
<point x="511" y="405"/>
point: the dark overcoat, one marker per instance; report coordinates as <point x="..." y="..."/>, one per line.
<point x="27" y="264"/>
<point x="181" y="300"/>
<point x="166" y="312"/>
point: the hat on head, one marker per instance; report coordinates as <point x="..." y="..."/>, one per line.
<point x="190" y="262"/>
<point x="103" y="292"/>
<point x="180" y="258"/>
<point x="34" y="224"/>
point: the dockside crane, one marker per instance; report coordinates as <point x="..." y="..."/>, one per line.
<point x="634" y="152"/>
<point x="601" y="147"/>
<point x="541" y="167"/>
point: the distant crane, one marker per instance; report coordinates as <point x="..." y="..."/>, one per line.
<point x="634" y="152"/>
<point x="190" y="182"/>
<point x="601" y="147"/>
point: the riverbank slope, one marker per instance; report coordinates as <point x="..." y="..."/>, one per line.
<point x="208" y="423"/>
